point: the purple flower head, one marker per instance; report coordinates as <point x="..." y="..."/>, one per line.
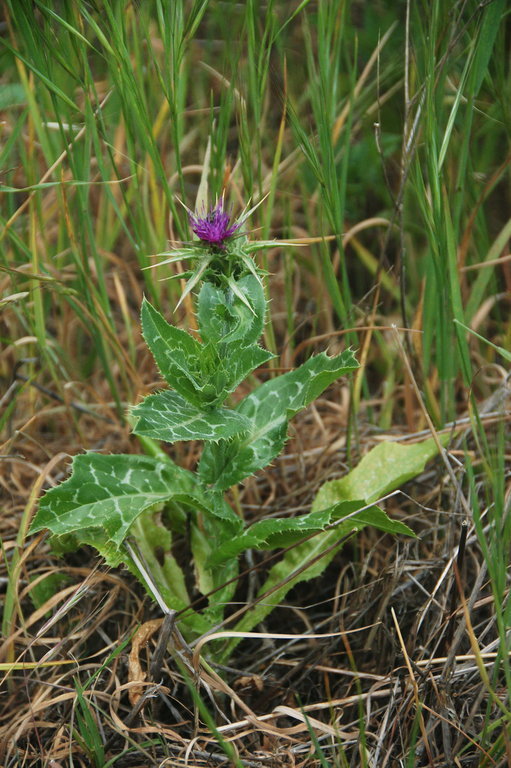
<point x="215" y="226"/>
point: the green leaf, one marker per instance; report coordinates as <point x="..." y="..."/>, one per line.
<point x="281" y="579"/>
<point x="215" y="502"/>
<point x="177" y="354"/>
<point x="283" y="532"/>
<point x="108" y="497"/>
<point x="105" y="495"/>
<point x="280" y="532"/>
<point x="230" y="328"/>
<point x="205" y="374"/>
<point x="167" y="416"/>
<point x="224" y="318"/>
<point x="222" y="578"/>
<point x="47" y="588"/>
<point x="269" y="409"/>
<point x="226" y="366"/>
<point x="383" y="469"/>
<point x="154" y="543"/>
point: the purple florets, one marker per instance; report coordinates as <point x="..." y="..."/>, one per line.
<point x="215" y="226"/>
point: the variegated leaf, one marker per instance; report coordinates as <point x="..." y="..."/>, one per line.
<point x="382" y="470"/>
<point x="224" y="375"/>
<point x="177" y="353"/>
<point x="167" y="416"/>
<point x="109" y="492"/>
<point x="275" y="533"/>
<point x="205" y="374"/>
<point x="268" y="409"/>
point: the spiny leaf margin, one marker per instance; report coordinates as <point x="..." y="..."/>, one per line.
<point x="268" y="409"/>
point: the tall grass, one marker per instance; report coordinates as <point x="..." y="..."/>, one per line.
<point x="124" y="106"/>
<point x="380" y="135"/>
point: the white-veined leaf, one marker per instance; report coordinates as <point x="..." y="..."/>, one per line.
<point x="109" y="492"/>
<point x="167" y="416"/>
<point x="268" y="409"/>
<point x="275" y="533"/>
<point x="176" y="352"/>
<point x="205" y="374"/>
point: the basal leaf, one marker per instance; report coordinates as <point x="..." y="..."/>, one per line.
<point x="109" y="493"/>
<point x="154" y="544"/>
<point x="108" y="497"/>
<point x="220" y="579"/>
<point x="280" y="532"/>
<point x="281" y="579"/>
<point x="277" y="532"/>
<point x="382" y="470"/>
<point x="167" y="416"/>
<point x="269" y="408"/>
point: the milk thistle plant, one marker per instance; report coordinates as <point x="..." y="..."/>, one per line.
<point x="127" y="504"/>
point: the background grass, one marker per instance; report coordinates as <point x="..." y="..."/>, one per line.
<point x="380" y="133"/>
